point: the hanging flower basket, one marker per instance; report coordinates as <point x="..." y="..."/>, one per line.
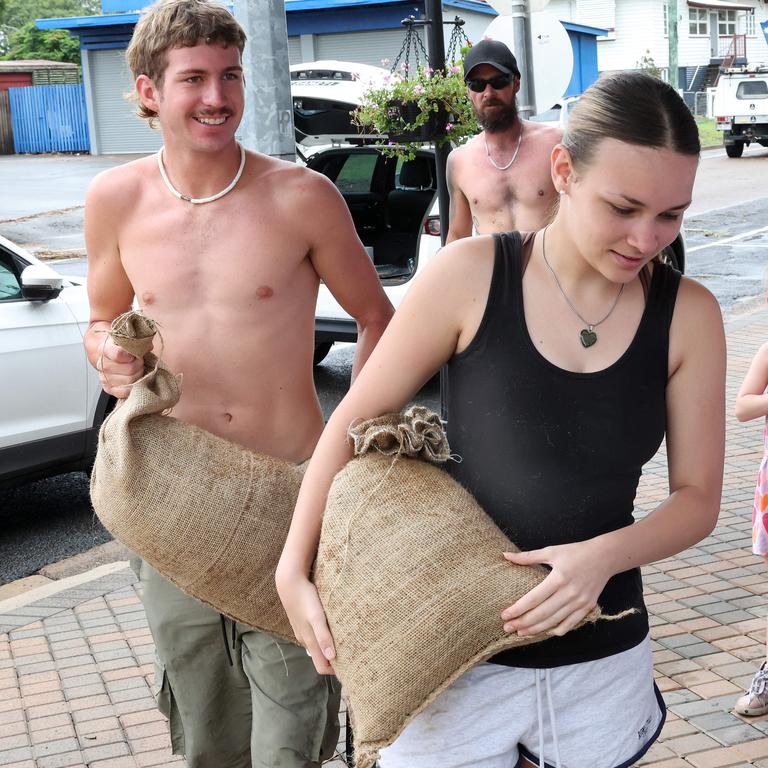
<point x="411" y="110"/>
<point x="426" y="105"/>
<point x="417" y="125"/>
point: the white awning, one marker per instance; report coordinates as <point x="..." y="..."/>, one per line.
<point x="720" y="5"/>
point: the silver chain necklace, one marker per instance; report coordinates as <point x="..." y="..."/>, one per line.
<point x="514" y="157"/>
<point x="587" y="336"/>
<point x="200" y="200"/>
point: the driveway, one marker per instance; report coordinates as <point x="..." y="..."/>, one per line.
<point x="34" y="184"/>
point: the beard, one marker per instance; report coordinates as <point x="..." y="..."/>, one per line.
<point x="498" y="120"/>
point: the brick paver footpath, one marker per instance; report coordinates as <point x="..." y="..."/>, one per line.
<point x="76" y="669"/>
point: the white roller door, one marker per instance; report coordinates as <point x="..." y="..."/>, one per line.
<point x="118" y="129"/>
<point x="367" y="47"/>
<point x="294" y="50"/>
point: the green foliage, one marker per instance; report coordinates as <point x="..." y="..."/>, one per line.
<point x="16" y="15"/>
<point x="648" y="65"/>
<point x="19" y="12"/>
<point x="29" y="42"/>
<point x="430" y="91"/>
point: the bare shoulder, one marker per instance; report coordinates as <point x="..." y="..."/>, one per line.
<point x="118" y="187"/>
<point x="463" y="265"/>
<point x="468" y="148"/>
<point x="292" y="184"/>
<point x="694" y="301"/>
<point x="761" y="356"/>
<point x="542" y="133"/>
<point x="697" y="322"/>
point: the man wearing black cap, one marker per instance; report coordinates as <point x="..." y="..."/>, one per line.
<point x="500" y="179"/>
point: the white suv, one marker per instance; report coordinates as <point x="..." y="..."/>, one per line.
<point x="393" y="202"/>
<point x="51" y="401"/>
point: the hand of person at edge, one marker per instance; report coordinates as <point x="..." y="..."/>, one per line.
<point x="305" y="612"/>
<point x="568" y="593"/>
<point x="118" y="369"/>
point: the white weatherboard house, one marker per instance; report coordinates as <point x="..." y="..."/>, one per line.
<point x="711" y="33"/>
<point x="360" y="31"/>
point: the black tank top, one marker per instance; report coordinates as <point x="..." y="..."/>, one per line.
<point x="555" y="456"/>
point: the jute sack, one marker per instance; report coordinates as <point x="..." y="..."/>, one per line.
<point x="411" y="575"/>
<point x="209" y="515"/>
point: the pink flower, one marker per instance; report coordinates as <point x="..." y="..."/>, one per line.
<point x="418" y="88"/>
<point x="403" y="66"/>
<point x="429" y="70"/>
<point x="448" y="126"/>
<point x="454" y="70"/>
<point x="387" y="78"/>
<point x="385" y="62"/>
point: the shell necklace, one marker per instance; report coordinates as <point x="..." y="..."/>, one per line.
<point x="514" y="157"/>
<point x="200" y="200"/>
<point x="587" y="336"/>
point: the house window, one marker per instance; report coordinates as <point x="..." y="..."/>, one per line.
<point x="698" y="22"/>
<point x="726" y="23"/>
<point x="749" y="23"/>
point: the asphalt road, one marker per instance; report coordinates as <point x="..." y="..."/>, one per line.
<point x="44" y="522"/>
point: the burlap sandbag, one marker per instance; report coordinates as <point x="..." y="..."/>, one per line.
<point x="208" y="514"/>
<point x="411" y="575"/>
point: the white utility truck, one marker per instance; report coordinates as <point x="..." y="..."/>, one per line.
<point x="741" y="107"/>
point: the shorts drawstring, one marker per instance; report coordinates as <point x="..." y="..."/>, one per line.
<point x="548" y="685"/>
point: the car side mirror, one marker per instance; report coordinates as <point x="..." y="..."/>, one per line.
<point x="40" y="283"/>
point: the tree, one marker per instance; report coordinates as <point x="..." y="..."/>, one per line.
<point x="16" y="14"/>
<point x="648" y="65"/>
<point x="19" y="12"/>
<point x="29" y="42"/>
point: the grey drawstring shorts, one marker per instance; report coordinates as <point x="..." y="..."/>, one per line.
<point x="598" y="714"/>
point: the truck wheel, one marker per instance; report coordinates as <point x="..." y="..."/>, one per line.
<point x="321" y="350"/>
<point x="734" y="150"/>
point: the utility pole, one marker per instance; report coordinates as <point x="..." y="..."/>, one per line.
<point x="674" y="77"/>
<point x="434" y="12"/>
<point x="523" y="48"/>
<point x="267" y="125"/>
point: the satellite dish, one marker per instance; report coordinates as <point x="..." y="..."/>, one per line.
<point x="552" y="54"/>
<point x="505" y="7"/>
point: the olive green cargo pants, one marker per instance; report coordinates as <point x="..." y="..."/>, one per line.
<point x="254" y="702"/>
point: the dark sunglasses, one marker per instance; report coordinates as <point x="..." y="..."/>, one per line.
<point x="497" y="83"/>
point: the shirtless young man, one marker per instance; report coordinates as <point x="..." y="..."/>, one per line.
<point x="232" y="280"/>
<point x="499" y="180"/>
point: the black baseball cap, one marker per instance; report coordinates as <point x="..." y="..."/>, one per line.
<point x="491" y="52"/>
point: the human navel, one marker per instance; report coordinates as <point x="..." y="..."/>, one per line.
<point x="264" y="292"/>
<point x="147" y="298"/>
<point x="227" y="417"/>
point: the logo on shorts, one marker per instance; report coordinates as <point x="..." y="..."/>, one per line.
<point x="643" y="732"/>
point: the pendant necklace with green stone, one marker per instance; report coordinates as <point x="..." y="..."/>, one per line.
<point x="587" y="336"/>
